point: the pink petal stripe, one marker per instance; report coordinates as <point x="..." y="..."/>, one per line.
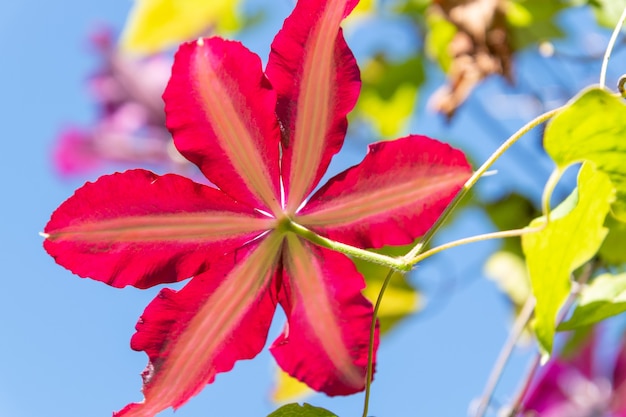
<point x="318" y="83"/>
<point x="392" y="197"/>
<point x="220" y="110"/>
<point x="138" y="228"/>
<point x="325" y="342"/>
<point x="218" y="318"/>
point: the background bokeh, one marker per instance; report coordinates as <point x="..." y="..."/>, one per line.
<point x="64" y="341"/>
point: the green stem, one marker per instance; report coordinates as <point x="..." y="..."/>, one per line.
<point x="397" y="264"/>
<point x="609" y="48"/>
<point x="553" y="180"/>
<point x="419" y="248"/>
<point x="370" y="353"/>
<point x="474" y="239"/>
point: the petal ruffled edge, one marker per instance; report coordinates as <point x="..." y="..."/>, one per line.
<point x="392" y="197"/>
<point x="326" y="340"/>
<point x="220" y="110"/>
<point x="141" y="229"/>
<point x="218" y="318"/>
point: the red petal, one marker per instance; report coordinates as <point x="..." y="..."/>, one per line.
<point x="392" y="197"/>
<point x="218" y="318"/>
<point x="220" y="110"/>
<point x="317" y="80"/>
<point x="325" y="343"/>
<point x="138" y="228"/>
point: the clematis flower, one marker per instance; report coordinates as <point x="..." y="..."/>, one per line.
<point x="264" y="140"/>
<point x="577" y="386"/>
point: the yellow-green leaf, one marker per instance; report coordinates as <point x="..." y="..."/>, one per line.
<point x="508" y="271"/>
<point x="605" y="297"/>
<point x="613" y="249"/>
<point x="593" y="128"/>
<point x="439" y="35"/>
<point x="607" y="11"/>
<point x="288" y="388"/>
<point x="571" y="238"/>
<point x="390" y="117"/>
<point x="155" y="25"/>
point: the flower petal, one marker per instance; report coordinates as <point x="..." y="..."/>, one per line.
<point x="138" y="228"/>
<point x="220" y="110"/>
<point x="392" y="197"/>
<point x="218" y="318"/>
<point x="317" y="80"/>
<point x="325" y="343"/>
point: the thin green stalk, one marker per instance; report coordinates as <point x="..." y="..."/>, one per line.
<point x="474" y="239"/>
<point x="474" y="179"/>
<point x="397" y="264"/>
<point x="370" y="353"/>
<point x="609" y="48"/>
<point x="553" y="180"/>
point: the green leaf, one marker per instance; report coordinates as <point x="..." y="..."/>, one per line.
<point x="440" y="32"/>
<point x="592" y="128"/>
<point x="605" y="297"/>
<point x="297" y="410"/>
<point x="571" y="238"/>
<point x="613" y="249"/>
<point x="389" y="92"/>
<point x="155" y="25"/>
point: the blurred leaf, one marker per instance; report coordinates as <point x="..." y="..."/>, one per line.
<point x="389" y="93"/>
<point x="364" y="7"/>
<point x="592" y="128"/>
<point x="605" y="297"/>
<point x="385" y="77"/>
<point x="509" y="273"/>
<point x="607" y="11"/>
<point x="439" y="34"/>
<point x="287" y="388"/>
<point x="297" y="410"/>
<point x="511" y="212"/>
<point x="613" y="249"/>
<point x="391" y="116"/>
<point x="401" y="300"/>
<point x="572" y="237"/>
<point x="533" y="21"/>
<point x="155" y="25"/>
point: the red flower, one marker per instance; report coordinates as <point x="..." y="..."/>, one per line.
<point x="265" y="140"/>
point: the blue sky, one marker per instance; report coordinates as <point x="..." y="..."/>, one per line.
<point x="64" y="344"/>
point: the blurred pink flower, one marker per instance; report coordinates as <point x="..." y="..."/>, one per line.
<point x="130" y="128"/>
<point x="582" y="385"/>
